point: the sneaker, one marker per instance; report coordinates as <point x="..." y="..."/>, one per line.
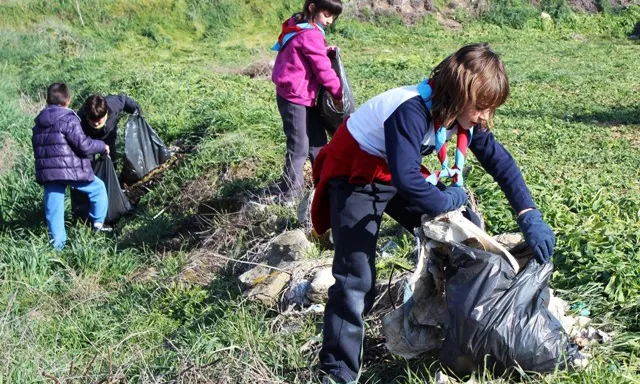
<point x="100" y="227"/>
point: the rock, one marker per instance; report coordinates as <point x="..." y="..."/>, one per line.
<point x="256" y="275"/>
<point x="545" y="16"/>
<point x="253" y="209"/>
<point x="268" y="290"/>
<point x="302" y="273"/>
<point x="450" y="24"/>
<point x="320" y="286"/>
<point x="288" y="246"/>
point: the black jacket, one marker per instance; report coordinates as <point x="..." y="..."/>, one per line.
<point x="116" y="104"/>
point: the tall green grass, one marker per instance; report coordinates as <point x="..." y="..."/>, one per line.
<point x="119" y="301"/>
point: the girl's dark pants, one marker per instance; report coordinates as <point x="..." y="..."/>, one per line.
<point x="356" y="213"/>
<point x="305" y="137"/>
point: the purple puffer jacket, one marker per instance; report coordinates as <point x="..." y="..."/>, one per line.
<point x="60" y="147"/>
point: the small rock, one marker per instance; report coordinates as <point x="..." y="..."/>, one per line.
<point x="256" y="275"/>
<point x="253" y="208"/>
<point x="268" y="291"/>
<point x="545" y="16"/>
<point x="451" y="25"/>
<point x="288" y="246"/>
<point x="320" y="285"/>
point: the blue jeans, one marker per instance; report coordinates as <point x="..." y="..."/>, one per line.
<point x="54" y="206"/>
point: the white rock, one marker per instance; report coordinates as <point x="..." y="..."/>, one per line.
<point x="320" y="285"/>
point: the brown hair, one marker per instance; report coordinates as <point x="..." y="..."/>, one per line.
<point x="95" y="107"/>
<point x="473" y="74"/>
<point x="58" y="94"/>
<point x="333" y="6"/>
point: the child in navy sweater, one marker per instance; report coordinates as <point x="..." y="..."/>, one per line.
<point x="373" y="166"/>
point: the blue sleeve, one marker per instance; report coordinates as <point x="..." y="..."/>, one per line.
<point x="499" y="163"/>
<point x="79" y="142"/>
<point x="404" y="131"/>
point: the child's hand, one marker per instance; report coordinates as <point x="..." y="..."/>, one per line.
<point x="538" y="235"/>
<point x="106" y="148"/>
<point x="458" y="197"/>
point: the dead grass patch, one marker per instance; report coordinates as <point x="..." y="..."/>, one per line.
<point x="622" y="132"/>
<point x="8" y="150"/>
<point x="31" y="106"/>
<point x="260" y="68"/>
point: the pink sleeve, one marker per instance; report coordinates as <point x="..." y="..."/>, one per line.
<point x="315" y="50"/>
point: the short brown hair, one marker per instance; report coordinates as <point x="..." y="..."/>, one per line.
<point x="473" y="74"/>
<point x="95" y="107"/>
<point x="58" y="94"/>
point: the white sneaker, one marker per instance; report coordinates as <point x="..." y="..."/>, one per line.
<point x="101" y="227"/>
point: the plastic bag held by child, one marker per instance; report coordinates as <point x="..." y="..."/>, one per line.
<point x="144" y="151"/>
<point x="119" y="204"/>
<point x="329" y="112"/>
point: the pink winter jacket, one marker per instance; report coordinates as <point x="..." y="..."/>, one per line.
<point x="302" y="66"/>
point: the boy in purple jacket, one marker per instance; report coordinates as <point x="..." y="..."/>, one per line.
<point x="63" y="158"/>
<point x="301" y="67"/>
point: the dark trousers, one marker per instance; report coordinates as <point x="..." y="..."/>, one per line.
<point x="305" y="137"/>
<point x="356" y="213"/>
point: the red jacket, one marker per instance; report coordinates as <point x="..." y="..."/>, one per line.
<point x="342" y="157"/>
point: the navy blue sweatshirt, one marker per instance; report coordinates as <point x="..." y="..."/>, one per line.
<point x="398" y="126"/>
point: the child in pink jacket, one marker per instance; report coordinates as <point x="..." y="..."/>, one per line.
<point x="301" y="67"/>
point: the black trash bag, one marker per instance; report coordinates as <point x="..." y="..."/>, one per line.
<point x="499" y="320"/>
<point x="119" y="204"/>
<point x="143" y="149"/>
<point x="331" y="117"/>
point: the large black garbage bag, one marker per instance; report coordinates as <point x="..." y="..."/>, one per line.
<point x="119" y="205"/>
<point x="498" y="319"/>
<point x="144" y="151"/>
<point x="331" y="117"/>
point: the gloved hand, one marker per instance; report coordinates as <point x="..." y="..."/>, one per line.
<point x="538" y="235"/>
<point x="458" y="197"/>
<point x="139" y="112"/>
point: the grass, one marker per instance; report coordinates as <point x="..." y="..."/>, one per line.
<point x="116" y="307"/>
